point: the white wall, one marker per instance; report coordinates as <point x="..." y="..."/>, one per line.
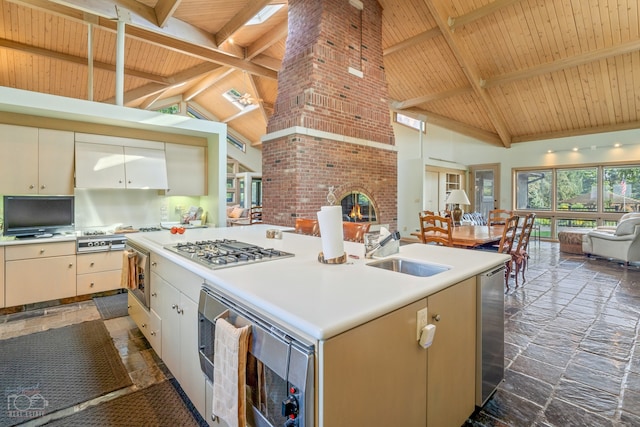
<point x="443" y="147"/>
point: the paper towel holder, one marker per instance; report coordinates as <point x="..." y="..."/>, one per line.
<point x="338" y="260"/>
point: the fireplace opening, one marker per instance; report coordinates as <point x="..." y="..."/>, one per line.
<point x="357" y="207"/>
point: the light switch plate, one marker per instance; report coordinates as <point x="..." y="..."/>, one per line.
<point x="422" y="320"/>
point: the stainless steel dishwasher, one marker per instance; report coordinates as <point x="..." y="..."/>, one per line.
<point x="490" y="333"/>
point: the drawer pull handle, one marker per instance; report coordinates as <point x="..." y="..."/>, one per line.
<point x="180" y="310"/>
<point x="437" y="317"/>
<point x="92" y="264"/>
<point x="144" y="325"/>
<point x="128" y="306"/>
<point x="154" y="264"/>
<point x="153" y="333"/>
<point x="174" y="306"/>
<point x="91" y="285"/>
<point x="41" y="251"/>
<point x="70" y="265"/>
<point x="154" y="294"/>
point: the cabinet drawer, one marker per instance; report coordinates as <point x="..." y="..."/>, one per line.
<point x="185" y="281"/>
<point x="99" y="261"/>
<point x="139" y="315"/>
<point x="39" y="250"/>
<point x="98" y="282"/>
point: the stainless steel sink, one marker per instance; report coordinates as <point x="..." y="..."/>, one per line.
<point x="414" y="268"/>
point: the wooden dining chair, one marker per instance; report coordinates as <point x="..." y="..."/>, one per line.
<point x="520" y="255"/>
<point x="354" y="231"/>
<point x="498" y="217"/>
<point x="505" y="246"/>
<point x="307" y="226"/>
<point x="436" y="229"/>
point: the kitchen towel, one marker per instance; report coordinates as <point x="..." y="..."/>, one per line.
<point x="230" y="348"/>
<point x="129" y="261"/>
<point x="330" y="222"/>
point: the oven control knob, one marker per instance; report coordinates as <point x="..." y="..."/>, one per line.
<point x="290" y="406"/>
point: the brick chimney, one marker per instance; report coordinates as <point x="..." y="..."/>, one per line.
<point x="331" y="126"/>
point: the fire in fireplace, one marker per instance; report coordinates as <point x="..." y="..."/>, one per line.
<point x="357" y="207"/>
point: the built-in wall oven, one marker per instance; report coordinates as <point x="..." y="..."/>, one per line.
<point x="280" y="368"/>
<point x="139" y="273"/>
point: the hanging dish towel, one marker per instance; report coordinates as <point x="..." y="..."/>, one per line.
<point x="129" y="261"/>
<point x="230" y="348"/>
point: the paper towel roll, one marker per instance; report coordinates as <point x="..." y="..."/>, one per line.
<point x="330" y="222"/>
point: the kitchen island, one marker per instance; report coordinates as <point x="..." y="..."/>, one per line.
<point x="363" y="322"/>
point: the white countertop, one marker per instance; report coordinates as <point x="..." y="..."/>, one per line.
<point x="319" y="300"/>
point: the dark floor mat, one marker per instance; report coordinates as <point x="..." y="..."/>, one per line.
<point x="157" y="405"/>
<point x="112" y="306"/>
<point x="46" y="371"/>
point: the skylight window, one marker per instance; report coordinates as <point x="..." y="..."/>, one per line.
<point x="243" y="102"/>
<point x="266" y="13"/>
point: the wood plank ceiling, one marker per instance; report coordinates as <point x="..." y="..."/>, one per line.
<point x="502" y="71"/>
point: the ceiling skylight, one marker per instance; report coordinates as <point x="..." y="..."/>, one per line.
<point x="266" y="13"/>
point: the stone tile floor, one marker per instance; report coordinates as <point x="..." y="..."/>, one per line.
<point x="571" y="351"/>
<point x="572" y="356"/>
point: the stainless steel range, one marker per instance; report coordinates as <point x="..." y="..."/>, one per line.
<point x="217" y="254"/>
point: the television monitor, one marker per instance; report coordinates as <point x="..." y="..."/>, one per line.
<point x="27" y="216"/>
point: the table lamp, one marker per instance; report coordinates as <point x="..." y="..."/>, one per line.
<point x="457" y="197"/>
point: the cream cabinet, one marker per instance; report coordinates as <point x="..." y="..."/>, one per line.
<point x="98" y="272"/>
<point x="1" y="276"/>
<point x="186" y="170"/>
<point x="39" y="272"/>
<point x="110" y="162"/>
<point x="176" y="292"/>
<point x="404" y="384"/>
<point x="35" y="161"/>
<point x="148" y="322"/>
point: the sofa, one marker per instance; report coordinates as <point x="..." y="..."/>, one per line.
<point x="621" y="242"/>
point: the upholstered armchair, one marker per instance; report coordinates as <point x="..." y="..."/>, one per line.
<point x="621" y="243"/>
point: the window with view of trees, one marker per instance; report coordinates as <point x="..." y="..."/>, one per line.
<point x="577" y="197"/>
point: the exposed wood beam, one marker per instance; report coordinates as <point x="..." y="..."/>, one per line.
<point x="578" y="132"/>
<point x="400" y="105"/>
<point x="177" y="35"/>
<point x="241" y="18"/>
<point x="164" y="10"/>
<point x="478" y="13"/>
<point x="457" y="126"/>
<point x="268" y="62"/>
<point x="21" y="47"/>
<point x="206" y="82"/>
<point x="564" y="63"/>
<point x="239" y="114"/>
<point x="412" y="41"/>
<point x="468" y="66"/>
<point x="270" y="38"/>
<point x="135" y="95"/>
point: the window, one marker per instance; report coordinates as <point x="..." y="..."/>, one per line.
<point x="171" y="109"/>
<point x="576" y="189"/>
<point x="236" y="143"/>
<point x="577" y="197"/>
<point x="409" y="121"/>
<point x="533" y="190"/>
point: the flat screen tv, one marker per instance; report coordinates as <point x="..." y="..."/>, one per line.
<point x="26" y="216"/>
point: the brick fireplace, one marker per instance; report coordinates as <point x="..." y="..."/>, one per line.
<point x="331" y="126"/>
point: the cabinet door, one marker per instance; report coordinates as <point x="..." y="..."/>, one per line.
<point x="185" y="170"/>
<point x="145" y="168"/>
<point x="98" y="282"/>
<point x="44" y="279"/>
<point x="168" y="303"/>
<point x="99" y="166"/>
<point x="191" y="378"/>
<point x="384" y="355"/>
<point x="451" y="357"/>
<point x="55" y="162"/>
<point x="1" y="277"/>
<point x="18" y="160"/>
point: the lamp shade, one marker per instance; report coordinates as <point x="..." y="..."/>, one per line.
<point x="458" y="197"/>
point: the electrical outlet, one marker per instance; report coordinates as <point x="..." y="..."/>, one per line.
<point x="422" y="320"/>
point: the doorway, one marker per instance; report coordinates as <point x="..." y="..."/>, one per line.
<point x="485" y="194"/>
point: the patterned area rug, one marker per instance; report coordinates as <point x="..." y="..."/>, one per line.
<point x="112" y="306"/>
<point x="157" y="405"/>
<point x="47" y="371"/>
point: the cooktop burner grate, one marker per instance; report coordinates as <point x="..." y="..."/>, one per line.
<point x="224" y="253"/>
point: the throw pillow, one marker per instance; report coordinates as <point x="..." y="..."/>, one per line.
<point x="627" y="226"/>
<point x="236" y="213"/>
<point x="231" y="208"/>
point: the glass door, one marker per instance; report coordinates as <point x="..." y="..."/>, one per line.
<point x="485" y="194"/>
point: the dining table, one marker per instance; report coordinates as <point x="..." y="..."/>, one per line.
<point x="472" y="236"/>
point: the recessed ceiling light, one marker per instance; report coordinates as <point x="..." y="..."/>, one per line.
<point x="617" y="145"/>
<point x="575" y="148"/>
<point x="549" y="151"/>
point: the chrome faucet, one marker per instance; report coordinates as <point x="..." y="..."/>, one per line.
<point x="393" y="236"/>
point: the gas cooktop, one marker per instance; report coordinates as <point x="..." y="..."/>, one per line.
<point x="217" y="254"/>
